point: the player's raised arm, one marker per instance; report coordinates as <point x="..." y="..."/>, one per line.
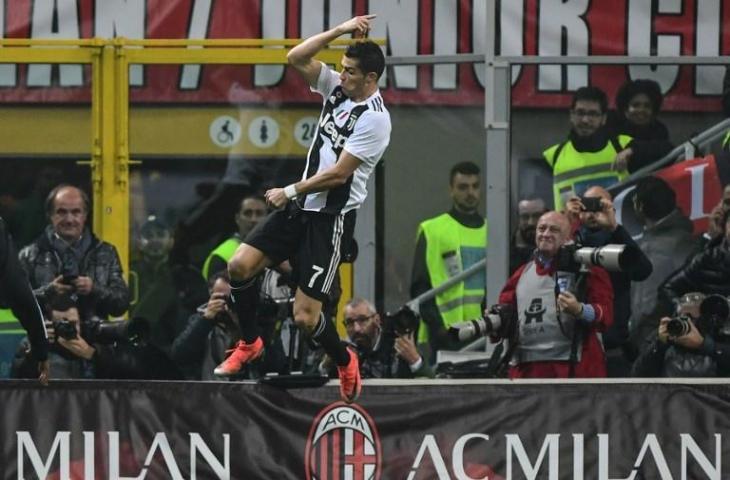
<point x="301" y="57"/>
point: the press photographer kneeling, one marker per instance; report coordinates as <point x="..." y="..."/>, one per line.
<point x="385" y="346"/>
<point x="693" y="343"/>
<point x="87" y="349"/>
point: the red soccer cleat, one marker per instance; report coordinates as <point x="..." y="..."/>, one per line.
<point x="241" y="354"/>
<point x="350" y="384"/>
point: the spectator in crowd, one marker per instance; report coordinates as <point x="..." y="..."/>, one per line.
<point x="166" y="294"/>
<point x="667" y="240"/>
<point x="551" y="325"/>
<point x="522" y="246"/>
<point x="638" y="103"/>
<point x="447" y="245"/>
<point x="700" y="351"/>
<point x="382" y="352"/>
<point x="586" y="158"/>
<point x="714" y="233"/>
<point x="94" y="349"/>
<point x="210" y="331"/>
<point x="707" y="272"/>
<point x="597" y="229"/>
<point x="18" y="296"/>
<point x="67" y="260"/>
<point x="252" y="209"/>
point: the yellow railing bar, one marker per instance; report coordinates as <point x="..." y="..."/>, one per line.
<point x="170" y="42"/>
<point x="269" y="56"/>
<point x="45" y="55"/>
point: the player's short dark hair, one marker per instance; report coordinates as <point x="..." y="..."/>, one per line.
<point x="656" y="197"/>
<point x="591" y="94"/>
<point x="630" y="89"/>
<point x="464" y="168"/>
<point x="369" y="56"/>
<point x="51" y="198"/>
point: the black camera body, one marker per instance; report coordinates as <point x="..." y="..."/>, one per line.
<point x="591" y="204"/>
<point x="65" y="329"/>
<point x="69" y="268"/>
<point x="713" y="319"/>
<point x="403" y="322"/>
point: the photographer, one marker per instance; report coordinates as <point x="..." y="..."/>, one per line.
<point x="384" y="350"/>
<point x="68" y="261"/>
<point x="96" y="350"/>
<point x="594" y="218"/>
<point x="687" y="345"/>
<point x="552" y="321"/>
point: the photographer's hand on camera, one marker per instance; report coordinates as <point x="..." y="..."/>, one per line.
<point x="692" y="340"/>
<point x="405" y="347"/>
<point x="60" y="287"/>
<point x="77" y="346"/>
<point x="83" y="285"/>
<point x="569" y="303"/>
<point x="215" y="306"/>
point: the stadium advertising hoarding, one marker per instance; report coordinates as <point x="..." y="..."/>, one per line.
<point x="411" y="27"/>
<point x="497" y="431"/>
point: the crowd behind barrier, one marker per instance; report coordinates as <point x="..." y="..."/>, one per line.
<point x="79" y="283"/>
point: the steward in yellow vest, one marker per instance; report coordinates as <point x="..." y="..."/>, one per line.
<point x="251" y="211"/>
<point x="447" y="245"/>
<point x="587" y="157"/>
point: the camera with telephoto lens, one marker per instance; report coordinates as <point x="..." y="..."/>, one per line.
<point x="613" y="257"/>
<point x="498" y="318"/>
<point x="65" y="329"/>
<point x="134" y="330"/>
<point x="403" y="322"/>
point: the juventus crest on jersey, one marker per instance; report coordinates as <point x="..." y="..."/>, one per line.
<point x="361" y="128"/>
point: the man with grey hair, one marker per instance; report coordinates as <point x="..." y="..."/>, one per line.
<point x="557" y="330"/>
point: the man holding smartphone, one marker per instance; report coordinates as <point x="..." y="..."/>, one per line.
<point x="593" y="219"/>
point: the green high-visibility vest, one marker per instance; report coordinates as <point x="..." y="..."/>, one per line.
<point x="9" y="325"/>
<point x="225" y="250"/>
<point x="574" y="172"/>
<point x="726" y="140"/>
<point x="450" y="249"/>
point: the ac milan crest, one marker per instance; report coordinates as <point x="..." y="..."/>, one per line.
<point x="343" y="444"/>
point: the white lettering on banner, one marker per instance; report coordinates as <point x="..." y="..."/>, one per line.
<point x="7" y="71"/>
<point x="398" y="22"/>
<point x="199" y="21"/>
<point x="708" y="79"/>
<point x="578" y="461"/>
<point x="28" y="450"/>
<point x="555" y="18"/>
<point x="512" y="41"/>
<point x="551" y="446"/>
<point x="429" y="445"/>
<point x="123" y="18"/>
<point x="688" y="444"/>
<point x="697" y="191"/>
<point x="445" y="38"/>
<point x="550" y="450"/>
<point x="458" y="456"/>
<point x="61" y="447"/>
<point x="273" y="25"/>
<point x="643" y="41"/>
<point x="55" y="19"/>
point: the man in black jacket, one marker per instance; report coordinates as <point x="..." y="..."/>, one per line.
<point x="597" y="229"/>
<point x="17" y="294"/>
<point x="67" y="260"/>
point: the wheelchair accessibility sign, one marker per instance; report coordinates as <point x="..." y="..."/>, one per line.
<point x="225" y="131"/>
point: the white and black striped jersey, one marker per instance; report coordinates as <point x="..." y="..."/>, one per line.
<point x="361" y="128"/>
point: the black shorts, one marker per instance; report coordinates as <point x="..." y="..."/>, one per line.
<point x="313" y="242"/>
